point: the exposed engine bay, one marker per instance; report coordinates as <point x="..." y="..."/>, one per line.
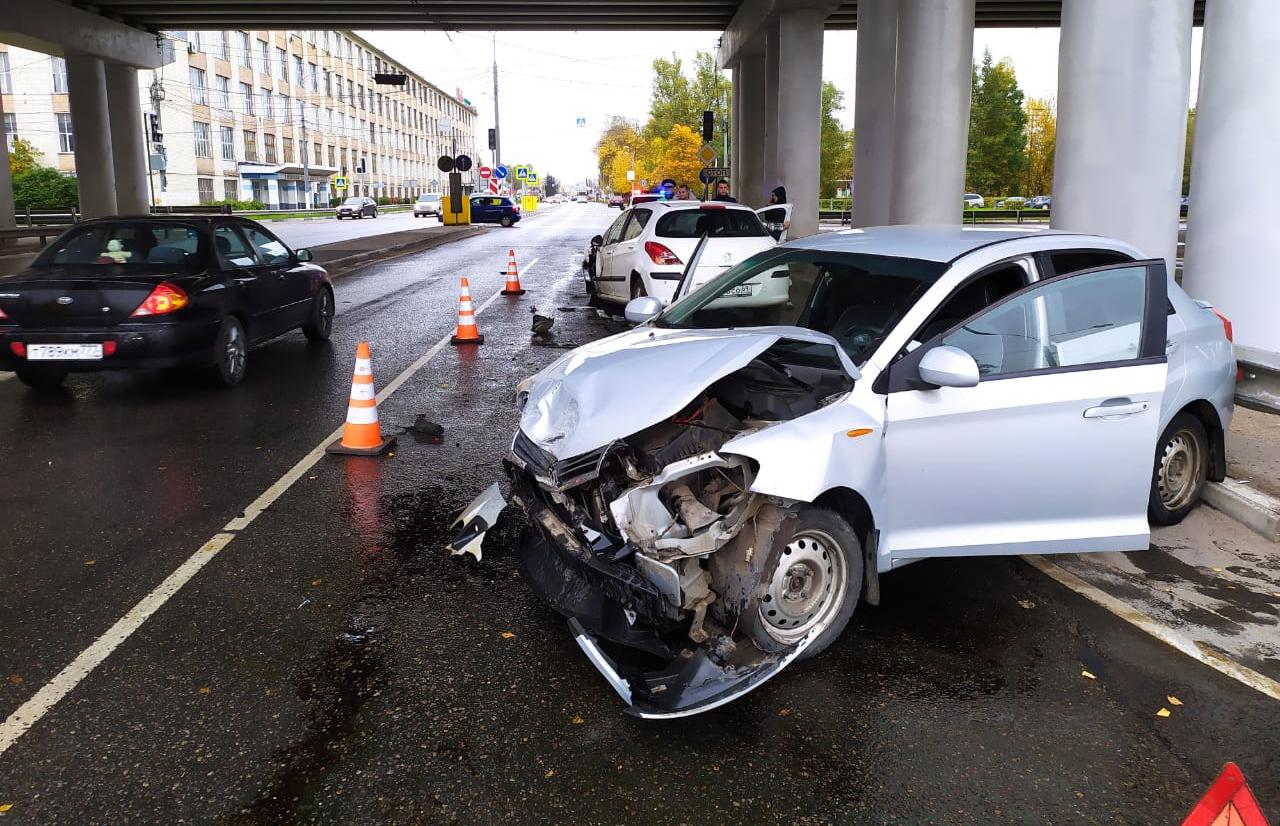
<point x="661" y="555"/>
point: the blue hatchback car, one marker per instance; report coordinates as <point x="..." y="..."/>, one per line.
<point x="494" y="209"/>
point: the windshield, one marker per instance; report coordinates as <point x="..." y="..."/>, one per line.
<point x="353" y="202"/>
<point x="132" y="244"/>
<point x="425" y="198"/>
<point x="716" y="222"/>
<point x="856" y="298"/>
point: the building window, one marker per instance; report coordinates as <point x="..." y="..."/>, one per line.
<point x="333" y="157"/>
<point x="204" y="186"/>
<point x="264" y="57"/>
<point x="11" y="127"/>
<point x="319" y="158"/>
<point x="286" y="114"/>
<point x="298" y="79"/>
<point x="228" y="136"/>
<point x="59" y="75"/>
<point x="243" y="48"/>
<point x="268" y="110"/>
<point x="246" y="95"/>
<point x="66" y="139"/>
<point x="6" y="82"/>
<point x="193" y="40"/>
<point x="328" y="84"/>
<point x="251" y="146"/>
<point x="230" y="189"/>
<point x="269" y="146"/>
<point x="222" y="92"/>
<point x="313" y="74"/>
<point x="288" y="150"/>
<point x="200" y="132"/>
<point x="199" y="95"/>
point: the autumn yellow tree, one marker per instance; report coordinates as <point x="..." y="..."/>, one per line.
<point x="680" y="156"/>
<point x="1041" y="130"/>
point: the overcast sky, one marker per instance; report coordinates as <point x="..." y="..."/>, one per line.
<point x="548" y="80"/>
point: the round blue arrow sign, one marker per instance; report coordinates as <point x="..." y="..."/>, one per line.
<point x="500" y="172"/>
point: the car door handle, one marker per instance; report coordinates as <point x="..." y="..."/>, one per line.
<point x="1115" y="408"/>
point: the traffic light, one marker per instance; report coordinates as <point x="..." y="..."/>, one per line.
<point x="153" y="124"/>
<point x="493" y="138"/>
<point x="708" y="125"/>
<point x="360" y="166"/>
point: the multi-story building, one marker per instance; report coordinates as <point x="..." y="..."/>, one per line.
<point x="257" y="115"/>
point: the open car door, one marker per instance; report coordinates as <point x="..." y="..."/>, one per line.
<point x="1050" y="450"/>
<point x="776" y="218"/>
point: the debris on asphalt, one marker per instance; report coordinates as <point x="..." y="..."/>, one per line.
<point x="1173" y="701"/>
<point x="1163" y="712"/>
<point x="1088" y="675"/>
<point x="305" y="603"/>
<point x="784" y="712"/>
<point x="5" y="807"/>
<point x="577" y="720"/>
<point x="425" y="430"/>
<point x="541" y="324"/>
<point x="506" y="635"/>
<point x="204" y="689"/>
<point x="89" y="563"/>
<point x="315" y="583"/>
<point x="16" y="679"/>
<point x="1026" y="603"/>
<point x="550" y="773"/>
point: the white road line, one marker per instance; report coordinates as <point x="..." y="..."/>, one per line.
<point x="1126" y="612"/>
<point x="30" y="712"/>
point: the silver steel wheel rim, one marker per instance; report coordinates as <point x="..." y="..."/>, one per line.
<point x="1179" y="473"/>
<point x="233" y="353"/>
<point x="807" y="588"/>
<point x="326" y="311"/>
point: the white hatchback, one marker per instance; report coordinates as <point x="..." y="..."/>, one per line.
<point x="646" y="251"/>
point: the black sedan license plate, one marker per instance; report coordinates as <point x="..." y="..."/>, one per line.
<point x="64" y="352"/>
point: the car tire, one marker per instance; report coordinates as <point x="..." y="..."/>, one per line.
<point x="505" y="220"/>
<point x="231" y="352"/>
<point x="359" y="215"/>
<point x="319" y="325"/>
<point x="39" y="379"/>
<point x="339" y="217"/>
<point x="637" y="286"/>
<point x="811" y="580"/>
<point x="1181" y="470"/>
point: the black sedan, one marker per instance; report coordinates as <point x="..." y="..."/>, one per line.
<point x="357" y="207"/>
<point x="151" y="292"/>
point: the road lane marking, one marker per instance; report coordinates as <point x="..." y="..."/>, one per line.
<point x="1166" y="635"/>
<point x="43" y="701"/>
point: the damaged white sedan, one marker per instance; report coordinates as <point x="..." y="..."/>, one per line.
<point x="714" y="491"/>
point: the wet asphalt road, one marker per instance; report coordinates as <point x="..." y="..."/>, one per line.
<point x="331" y="666"/>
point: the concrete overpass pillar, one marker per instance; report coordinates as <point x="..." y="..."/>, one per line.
<point x="772" y="62"/>
<point x="873" y="111"/>
<point x="931" y="110"/>
<point x="735" y="130"/>
<point x="91" y="129"/>
<point x="128" y="145"/>
<point x="800" y="114"/>
<point x="6" y="181"/>
<point x="749" y="88"/>
<point x="1124" y="71"/>
<point x="1232" y="243"/>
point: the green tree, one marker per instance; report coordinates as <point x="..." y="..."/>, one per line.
<point x="23" y="157"/>
<point x="678" y="99"/>
<point x="551" y="186"/>
<point x="836" y="143"/>
<point x="997" y="140"/>
<point x="44" y="188"/>
<point x="1042" y="131"/>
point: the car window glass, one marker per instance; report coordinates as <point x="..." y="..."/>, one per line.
<point x="270" y="251"/>
<point x="711" y="221"/>
<point x="641" y="217"/>
<point x="983" y="291"/>
<point x="1089" y="319"/>
<point x="132" y="244"/>
<point x="1065" y="261"/>
<point x="614" y="232"/>
<point x="233" y="250"/>
<point x="634" y="227"/>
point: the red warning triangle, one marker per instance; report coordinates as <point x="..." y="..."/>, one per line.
<point x="1229" y="802"/>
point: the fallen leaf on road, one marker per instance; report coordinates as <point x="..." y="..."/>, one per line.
<point x="1088" y="675"/>
<point x="784" y="712"/>
<point x="1163" y="712"/>
<point x="16" y="679"/>
<point x="4" y="807"/>
<point x="506" y="635"/>
<point x="1026" y="603"/>
<point x="204" y="689"/>
<point x="550" y="773"/>
<point x="1219" y="570"/>
<point x="88" y="563"/>
<point x="315" y="583"/>
<point x="1173" y="701"/>
<point x="577" y="720"/>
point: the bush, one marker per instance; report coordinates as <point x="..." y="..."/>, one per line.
<point x="44" y="188"/>
<point x="243" y="206"/>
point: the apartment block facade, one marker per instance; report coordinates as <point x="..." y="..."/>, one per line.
<point x="271" y="116"/>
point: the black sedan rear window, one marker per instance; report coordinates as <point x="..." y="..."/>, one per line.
<point x="133" y="244"/>
<point x="711" y="221"/>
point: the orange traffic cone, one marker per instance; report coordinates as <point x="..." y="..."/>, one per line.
<point x="513" y="276"/>
<point x="468" y="332"/>
<point x="361" y="435"/>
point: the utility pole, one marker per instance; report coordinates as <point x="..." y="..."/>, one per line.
<point x="497" y="132"/>
<point x="306" y="169"/>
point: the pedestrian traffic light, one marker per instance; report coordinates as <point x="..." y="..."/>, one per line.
<point x="360" y="166"/>
<point x="708" y="125"/>
<point x="493" y="138"/>
<point x="153" y="124"/>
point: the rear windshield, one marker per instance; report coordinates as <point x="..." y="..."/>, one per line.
<point x="353" y="202"/>
<point x="716" y="223"/>
<point x="132" y="244"/>
<point x="428" y="198"/>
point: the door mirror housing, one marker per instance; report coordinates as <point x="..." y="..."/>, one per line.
<point x="947" y="366"/>
<point x="303" y="255"/>
<point x="597" y="241"/>
<point x="639" y="310"/>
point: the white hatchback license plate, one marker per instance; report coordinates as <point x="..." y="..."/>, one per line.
<point x="63" y="352"/>
<point x="741" y="289"/>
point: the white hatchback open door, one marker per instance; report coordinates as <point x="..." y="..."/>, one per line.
<point x="1051" y="450"/>
<point x="777" y="219"/>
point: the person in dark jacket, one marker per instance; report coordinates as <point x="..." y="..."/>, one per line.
<point x="722" y="192"/>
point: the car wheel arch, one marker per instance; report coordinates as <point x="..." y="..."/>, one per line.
<point x="855" y="509"/>
<point x="1207" y="414"/>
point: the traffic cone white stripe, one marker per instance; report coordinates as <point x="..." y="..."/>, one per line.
<point x="362" y="392"/>
<point x="363" y="367"/>
<point x="362" y="415"/>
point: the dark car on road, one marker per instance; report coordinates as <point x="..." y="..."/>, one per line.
<point x="494" y="209"/>
<point x="357" y="207"/>
<point x="155" y="292"/>
<point x="617" y="201"/>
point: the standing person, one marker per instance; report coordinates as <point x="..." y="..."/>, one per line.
<point x="777" y="215"/>
<point x="722" y="192"/>
<point x="667" y="188"/>
<point x="683" y="193"/>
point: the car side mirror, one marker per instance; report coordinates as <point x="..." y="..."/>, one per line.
<point x="597" y="241"/>
<point x="303" y="255"/>
<point x="639" y="310"/>
<point x="948" y="366"/>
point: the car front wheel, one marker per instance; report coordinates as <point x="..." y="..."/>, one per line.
<point x="505" y="220"/>
<point x="637" y="287"/>
<point x="320" y="321"/>
<point x="231" y="352"/>
<point x="1181" y="470"/>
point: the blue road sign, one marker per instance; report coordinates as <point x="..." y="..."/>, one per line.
<point x="500" y="172"/>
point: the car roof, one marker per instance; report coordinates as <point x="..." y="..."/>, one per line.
<point x="695" y="204"/>
<point x="941" y="242"/>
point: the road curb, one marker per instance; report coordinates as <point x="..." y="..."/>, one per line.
<point x="1258" y="511"/>
<point x="348" y="264"/>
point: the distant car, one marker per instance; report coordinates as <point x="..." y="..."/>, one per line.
<point x="494" y="209"/>
<point x="1012" y="202"/>
<point x="973" y="200"/>
<point x="582" y="199"/>
<point x="617" y="201"/>
<point x="149" y="292"/>
<point x="357" y="207"/>
<point x="1040" y="202"/>
<point x="427" y="204"/>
